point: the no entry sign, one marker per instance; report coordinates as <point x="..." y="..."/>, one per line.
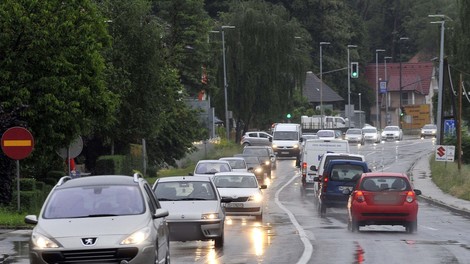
<point x="17" y="143"/>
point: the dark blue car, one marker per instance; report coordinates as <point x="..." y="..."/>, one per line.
<point x="338" y="176"/>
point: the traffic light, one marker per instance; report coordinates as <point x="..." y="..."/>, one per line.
<point x="402" y="112"/>
<point x="288" y="116"/>
<point x="354" y="70"/>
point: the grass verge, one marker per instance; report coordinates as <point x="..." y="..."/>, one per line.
<point x="449" y="179"/>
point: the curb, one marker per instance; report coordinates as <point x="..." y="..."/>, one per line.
<point x="433" y="201"/>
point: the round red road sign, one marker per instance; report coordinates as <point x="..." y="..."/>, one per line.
<point x="17" y="143"/>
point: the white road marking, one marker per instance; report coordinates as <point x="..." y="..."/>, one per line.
<point x="308" y="247"/>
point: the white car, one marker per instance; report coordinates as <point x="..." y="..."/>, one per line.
<point x="428" y="130"/>
<point x="354" y="135"/>
<point x="243" y="188"/>
<point x="326" y="134"/>
<point x="237" y="163"/>
<point x="392" y="132"/>
<point x="371" y="134"/>
<point x="194" y="206"/>
<point x="210" y="167"/>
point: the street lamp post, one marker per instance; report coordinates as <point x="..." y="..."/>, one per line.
<point x="441" y="79"/>
<point x="321" y="82"/>
<point x="386" y="90"/>
<point x="360" y="110"/>
<point x="349" y="87"/>
<point x="399" y="112"/>
<point x="227" y="125"/>
<point x="377" y="113"/>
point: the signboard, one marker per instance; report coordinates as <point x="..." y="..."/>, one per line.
<point x="420" y="115"/>
<point x="75" y="148"/>
<point x="383" y="87"/>
<point x="17" y="143"/>
<point x="449" y="127"/>
<point x="445" y="153"/>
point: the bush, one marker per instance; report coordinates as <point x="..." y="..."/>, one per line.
<point x="110" y="165"/>
<point x="30" y="201"/>
<point x="56" y="175"/>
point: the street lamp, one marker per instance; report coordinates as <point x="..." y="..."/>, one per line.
<point x="441" y="78"/>
<point x="387" y="117"/>
<point x="377" y="113"/>
<point x="399" y="116"/>
<point x="360" y="110"/>
<point x="321" y="82"/>
<point x="349" y="86"/>
<point x="227" y="126"/>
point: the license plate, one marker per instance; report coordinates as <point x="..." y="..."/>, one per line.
<point x="284" y="152"/>
<point x="342" y="188"/>
<point x="385" y="198"/>
<point x="310" y="178"/>
<point x="234" y="205"/>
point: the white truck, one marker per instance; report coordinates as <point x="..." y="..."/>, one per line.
<point x="329" y="122"/>
<point x="286" y="139"/>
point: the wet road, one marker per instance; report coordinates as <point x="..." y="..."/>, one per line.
<point x="293" y="232"/>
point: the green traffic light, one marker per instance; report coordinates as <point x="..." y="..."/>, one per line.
<point x="289" y="115"/>
<point x="354" y="74"/>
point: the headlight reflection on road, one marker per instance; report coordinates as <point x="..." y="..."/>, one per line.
<point x="257" y="238"/>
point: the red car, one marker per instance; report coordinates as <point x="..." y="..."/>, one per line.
<point x="383" y="198"/>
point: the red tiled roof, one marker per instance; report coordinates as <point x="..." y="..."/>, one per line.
<point x="414" y="77"/>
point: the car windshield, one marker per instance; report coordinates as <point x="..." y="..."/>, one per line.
<point x="369" y="130"/>
<point x="235" y="181"/>
<point x="355" y="132"/>
<point x="430" y="127"/>
<point x="321" y="134"/>
<point x="391" y="129"/>
<point x="285" y="135"/>
<point x="256" y="151"/>
<point x="237" y="164"/>
<point x="185" y="191"/>
<point x="384" y="183"/>
<point x="346" y="172"/>
<point x="94" y="201"/>
<point x="212" y="168"/>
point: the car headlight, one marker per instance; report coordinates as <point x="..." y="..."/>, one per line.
<point x="296" y="146"/>
<point x="210" y="216"/>
<point x="137" y="237"/>
<point x="256" y="198"/>
<point x="42" y="241"/>
<point x="274" y="146"/>
<point x="258" y="170"/>
<point x="267" y="162"/>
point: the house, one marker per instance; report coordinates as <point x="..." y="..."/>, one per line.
<point x="318" y="94"/>
<point x="417" y="89"/>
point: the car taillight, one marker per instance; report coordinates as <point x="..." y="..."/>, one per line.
<point x="359" y="196"/>
<point x="325" y="183"/>
<point x="304" y="168"/>
<point x="410" y="196"/>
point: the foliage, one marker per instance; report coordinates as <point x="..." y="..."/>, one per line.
<point x="449" y="179"/>
<point x="108" y="165"/>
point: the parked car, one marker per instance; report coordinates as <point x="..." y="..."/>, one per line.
<point x="210" y="167"/>
<point x="392" y="132"/>
<point x="265" y="154"/>
<point x="96" y="219"/>
<point x="255" y="165"/>
<point x="195" y="209"/>
<point x="383" y="198"/>
<point x="243" y="188"/>
<point x="256" y="138"/>
<point x="338" y="176"/>
<point x="354" y="135"/>
<point x="428" y="130"/>
<point x="371" y="134"/>
<point x="237" y="163"/>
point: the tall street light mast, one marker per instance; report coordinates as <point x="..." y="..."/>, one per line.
<point x="401" y="104"/>
<point x="377" y="87"/>
<point x="387" y="117"/>
<point x="321" y="82"/>
<point x="348" y="110"/>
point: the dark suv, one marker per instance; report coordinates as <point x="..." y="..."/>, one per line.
<point x="265" y="154"/>
<point x="339" y="175"/>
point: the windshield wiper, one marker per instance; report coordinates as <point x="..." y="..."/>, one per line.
<point x="193" y="199"/>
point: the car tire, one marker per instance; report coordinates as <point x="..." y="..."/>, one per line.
<point x="411" y="227"/>
<point x="219" y="241"/>
<point x="246" y="144"/>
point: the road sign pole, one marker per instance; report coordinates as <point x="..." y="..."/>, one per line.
<point x="18" y="182"/>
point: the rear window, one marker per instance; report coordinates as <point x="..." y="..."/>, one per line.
<point x="374" y="184"/>
<point x="345" y="172"/>
<point x="328" y="158"/>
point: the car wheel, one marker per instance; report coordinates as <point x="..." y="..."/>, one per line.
<point x="411" y="227"/>
<point x="245" y="144"/>
<point x="219" y="241"/>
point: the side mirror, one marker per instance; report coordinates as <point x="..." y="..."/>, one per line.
<point x="417" y="192"/>
<point x="159" y="213"/>
<point x="263" y="186"/>
<point x="191" y="174"/>
<point x="270" y="139"/>
<point x="31" y="219"/>
<point x="250" y="169"/>
<point x="226" y="200"/>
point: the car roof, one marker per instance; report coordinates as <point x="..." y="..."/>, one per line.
<point x="185" y="178"/>
<point x="342" y="154"/>
<point x="212" y="161"/>
<point x="234" y="173"/>
<point x="231" y="158"/>
<point x="96" y="180"/>
<point x="384" y="174"/>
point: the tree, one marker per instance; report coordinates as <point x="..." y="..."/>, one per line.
<point x="51" y="63"/>
<point x="265" y="61"/>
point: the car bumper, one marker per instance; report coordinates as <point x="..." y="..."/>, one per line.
<point x="384" y="214"/>
<point x="195" y="230"/>
<point x="390" y="137"/>
<point x="280" y="152"/>
<point x="132" y="255"/>
<point x="245" y="208"/>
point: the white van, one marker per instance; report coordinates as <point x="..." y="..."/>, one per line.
<point x="312" y="152"/>
<point x="286" y="139"/>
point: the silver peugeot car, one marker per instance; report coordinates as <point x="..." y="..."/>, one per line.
<point x="100" y="219"/>
<point x="195" y="209"/>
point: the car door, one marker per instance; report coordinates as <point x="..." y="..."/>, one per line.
<point x="159" y="223"/>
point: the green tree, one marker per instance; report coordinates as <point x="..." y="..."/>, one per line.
<point x="267" y="57"/>
<point x="50" y="62"/>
